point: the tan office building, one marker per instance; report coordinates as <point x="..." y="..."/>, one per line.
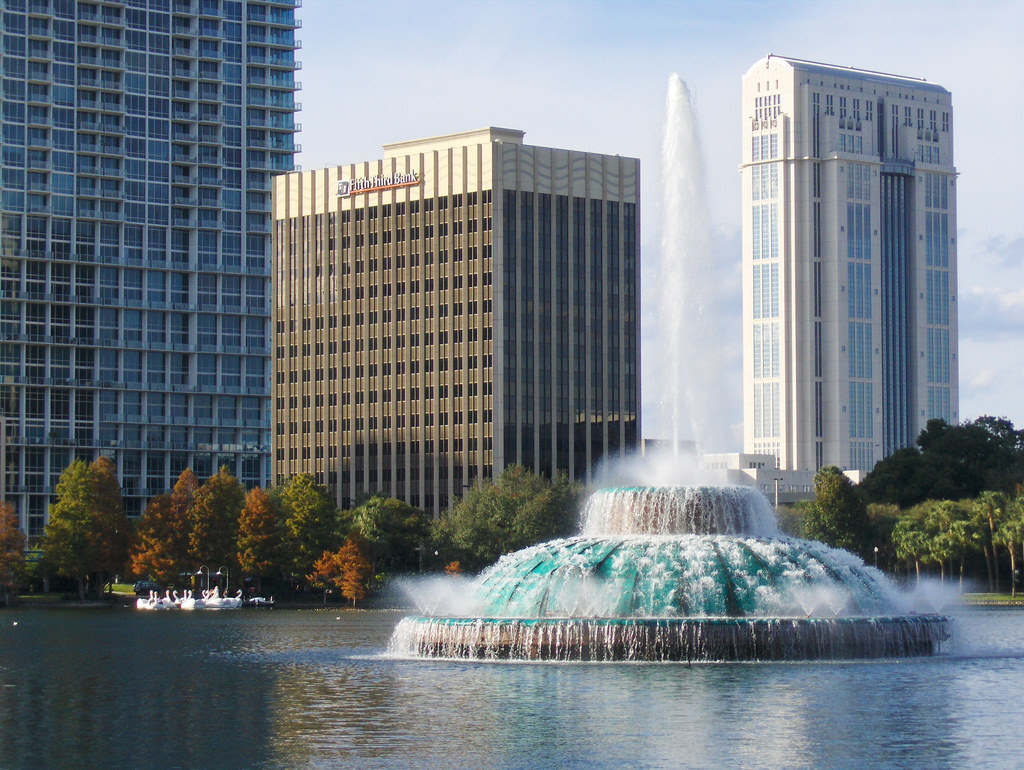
<point x="466" y="303"/>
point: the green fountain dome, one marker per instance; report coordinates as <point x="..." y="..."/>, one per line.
<point x="681" y="576"/>
<point x="677" y="573"/>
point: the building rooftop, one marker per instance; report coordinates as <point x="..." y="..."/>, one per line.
<point x="459" y="139"/>
<point x="835" y="70"/>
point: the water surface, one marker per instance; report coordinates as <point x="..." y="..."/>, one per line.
<point x="120" y="688"/>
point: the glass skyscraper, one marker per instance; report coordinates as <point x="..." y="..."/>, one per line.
<point x="139" y="141"/>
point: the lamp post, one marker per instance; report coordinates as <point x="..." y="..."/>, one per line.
<point x="777" y="480"/>
<point x="199" y="573"/>
<point x="876" y="557"/>
<point x="223" y="571"/>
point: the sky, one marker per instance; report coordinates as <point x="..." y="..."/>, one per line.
<point x="593" y="75"/>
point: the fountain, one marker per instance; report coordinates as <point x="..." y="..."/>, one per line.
<point x="677" y="574"/>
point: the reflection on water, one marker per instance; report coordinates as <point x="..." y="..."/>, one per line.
<point x="118" y="688"/>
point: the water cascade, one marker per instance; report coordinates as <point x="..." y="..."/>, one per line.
<point x="677" y="573"/>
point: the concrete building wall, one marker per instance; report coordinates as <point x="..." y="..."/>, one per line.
<point x="849" y="262"/>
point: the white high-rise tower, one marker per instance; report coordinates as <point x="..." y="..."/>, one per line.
<point x="849" y="263"/>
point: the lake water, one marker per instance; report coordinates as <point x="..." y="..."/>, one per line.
<point x="121" y="688"/>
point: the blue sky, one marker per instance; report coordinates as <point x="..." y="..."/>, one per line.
<point x="593" y="75"/>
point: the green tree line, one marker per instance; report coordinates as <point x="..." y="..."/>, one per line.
<point x="289" y="536"/>
<point x="952" y="505"/>
<point x="953" y="500"/>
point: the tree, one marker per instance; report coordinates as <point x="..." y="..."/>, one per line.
<point x="87" y="535"/>
<point x="987" y="509"/>
<point x="355" y="569"/>
<point x="964" y="534"/>
<point x="953" y="462"/>
<point x="161" y="548"/>
<point x="838" y="516"/>
<point x="939" y="518"/>
<point x="310" y="521"/>
<point x="882" y="517"/>
<point x="1010" y="534"/>
<point x="910" y="540"/>
<point x="66" y="539"/>
<point x="392" y="531"/>
<point x="900" y="479"/>
<point x="346" y="569"/>
<point x="326" y="574"/>
<point x="259" y="536"/>
<point x="150" y="556"/>
<point x="936" y="532"/>
<point x="179" y="522"/>
<point x="213" y="539"/>
<point x="110" y="530"/>
<point x="791" y="519"/>
<point x="986" y="454"/>
<point x="519" y="509"/>
<point x="12" y="551"/>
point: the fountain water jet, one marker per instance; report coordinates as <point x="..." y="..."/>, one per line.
<point x="686" y="275"/>
<point x="678" y="573"/>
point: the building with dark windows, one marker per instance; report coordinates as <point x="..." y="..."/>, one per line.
<point x="849" y="263"/>
<point x="139" y="141"/>
<point x="467" y="303"/>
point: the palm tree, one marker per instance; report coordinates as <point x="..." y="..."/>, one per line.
<point x="988" y="511"/>
<point x="911" y="542"/>
<point x="1011" y="534"/>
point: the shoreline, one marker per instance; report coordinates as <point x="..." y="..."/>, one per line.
<point x="127" y="601"/>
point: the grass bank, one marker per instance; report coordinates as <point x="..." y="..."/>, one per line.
<point x="994" y="600"/>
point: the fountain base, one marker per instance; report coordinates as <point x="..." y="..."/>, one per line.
<point x="671" y="639"/>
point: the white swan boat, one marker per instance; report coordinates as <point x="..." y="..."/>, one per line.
<point x="154" y="601"/>
<point x="210" y="600"/>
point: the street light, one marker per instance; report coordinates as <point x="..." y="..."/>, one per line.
<point x="777" y="480"/>
<point x="876" y="557"/>
<point x="223" y="571"/>
<point x="199" y="573"/>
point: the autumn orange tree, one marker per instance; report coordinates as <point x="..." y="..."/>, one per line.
<point x="355" y="569"/>
<point x="12" y="552"/>
<point x="160" y="550"/>
<point x="326" y="573"/>
<point x="259" y="536"/>
<point x="346" y="570"/>
<point x="150" y="557"/>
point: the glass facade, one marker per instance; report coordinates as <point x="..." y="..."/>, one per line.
<point x="560" y="406"/>
<point x="139" y="141"/>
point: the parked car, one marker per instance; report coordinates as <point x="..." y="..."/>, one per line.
<point x="143" y="587"/>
